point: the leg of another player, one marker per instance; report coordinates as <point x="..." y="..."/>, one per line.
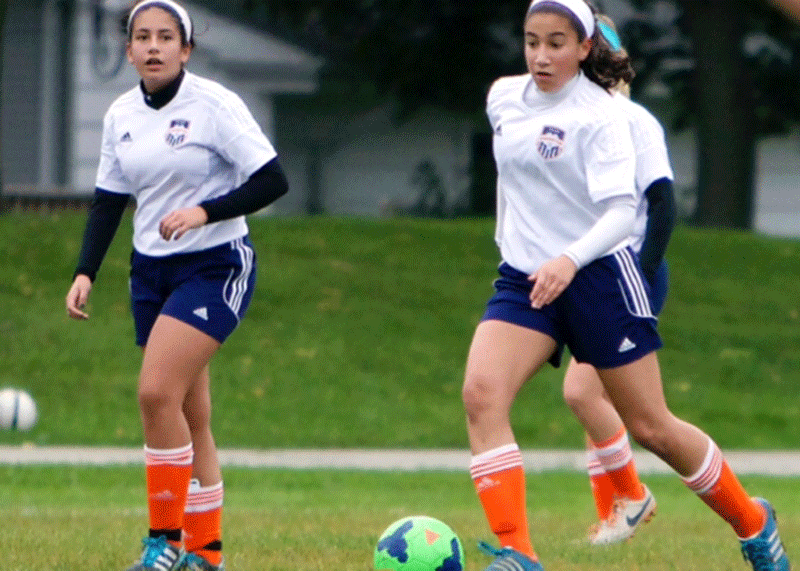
<point x="203" y="518"/>
<point x="612" y="469"/>
<point x="501" y="359"/>
<point x="637" y="393"/>
<point x="174" y="359"/>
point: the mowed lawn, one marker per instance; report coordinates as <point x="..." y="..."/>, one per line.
<point x="62" y="519"/>
<point x="359" y="329"/>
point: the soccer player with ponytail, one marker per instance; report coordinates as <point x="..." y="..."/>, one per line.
<point x="567" y="205"/>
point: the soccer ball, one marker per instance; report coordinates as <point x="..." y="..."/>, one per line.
<point x="419" y="543"/>
<point x="17" y="410"/>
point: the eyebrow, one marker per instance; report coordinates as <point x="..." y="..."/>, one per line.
<point x="548" y="35"/>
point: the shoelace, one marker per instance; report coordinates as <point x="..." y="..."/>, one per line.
<point x="757" y="552"/>
<point x="489" y="549"/>
<point x="154" y="546"/>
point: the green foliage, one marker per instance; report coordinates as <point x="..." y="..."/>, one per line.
<point x="359" y="329"/>
<point x="66" y="518"/>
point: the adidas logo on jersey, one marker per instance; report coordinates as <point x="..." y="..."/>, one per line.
<point x="126" y="138"/>
<point x="626" y="345"/>
<point x="202" y="313"/>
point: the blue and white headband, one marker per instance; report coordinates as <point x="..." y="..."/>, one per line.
<point x="183" y="15"/>
<point x="577" y="8"/>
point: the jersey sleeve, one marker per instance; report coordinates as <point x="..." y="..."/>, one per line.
<point x="610" y="160"/>
<point x="652" y="156"/>
<point x="240" y="139"/>
<point x="109" y="172"/>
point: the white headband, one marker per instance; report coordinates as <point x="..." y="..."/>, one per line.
<point x="186" y="22"/>
<point x="577" y="8"/>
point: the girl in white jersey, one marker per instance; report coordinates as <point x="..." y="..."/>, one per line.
<point x="566" y="208"/>
<point x="612" y="471"/>
<point x="196" y="162"/>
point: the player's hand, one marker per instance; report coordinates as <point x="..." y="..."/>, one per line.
<point x="551" y="280"/>
<point x="178" y="222"/>
<point x="77" y="296"/>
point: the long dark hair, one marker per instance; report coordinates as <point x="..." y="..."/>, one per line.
<point x="604" y="66"/>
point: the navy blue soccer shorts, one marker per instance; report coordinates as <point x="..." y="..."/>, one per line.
<point x="605" y="316"/>
<point x="209" y="289"/>
<point x="659" y="287"/>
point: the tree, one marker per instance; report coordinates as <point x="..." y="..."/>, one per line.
<point x="733" y="89"/>
<point x="730" y="82"/>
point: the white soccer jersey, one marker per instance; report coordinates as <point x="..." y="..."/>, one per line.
<point x="558" y="157"/>
<point x="652" y="158"/>
<point x="200" y="145"/>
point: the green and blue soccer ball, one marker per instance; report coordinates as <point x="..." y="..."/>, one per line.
<point x="419" y="543"/>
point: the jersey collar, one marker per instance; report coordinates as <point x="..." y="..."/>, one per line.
<point x="160" y="98"/>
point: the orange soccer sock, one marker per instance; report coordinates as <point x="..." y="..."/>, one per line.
<point x="602" y="486"/>
<point x="717" y="485"/>
<point x="203" y="522"/>
<point x="616" y="457"/>
<point x="168" y="475"/>
<point x="499" y="479"/>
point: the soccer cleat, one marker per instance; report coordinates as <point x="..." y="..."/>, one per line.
<point x="193" y="562"/>
<point x="158" y="555"/>
<point x="626" y="516"/>
<point x="508" y="559"/>
<point x="765" y="551"/>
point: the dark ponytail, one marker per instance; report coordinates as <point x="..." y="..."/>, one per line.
<point x="605" y="66"/>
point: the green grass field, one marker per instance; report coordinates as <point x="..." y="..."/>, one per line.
<point x="62" y="519"/>
<point x="358" y="332"/>
<point x="356" y="337"/>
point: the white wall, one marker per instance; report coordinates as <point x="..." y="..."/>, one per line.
<point x="372" y="170"/>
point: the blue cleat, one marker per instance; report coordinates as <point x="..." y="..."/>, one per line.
<point x="193" y="562"/>
<point x="508" y="559"/>
<point x="158" y="555"/>
<point x="765" y="551"/>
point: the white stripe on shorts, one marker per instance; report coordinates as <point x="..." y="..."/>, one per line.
<point x="236" y="287"/>
<point x="633" y="288"/>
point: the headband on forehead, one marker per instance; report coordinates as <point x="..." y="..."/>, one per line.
<point x="577" y="8"/>
<point x="183" y="15"/>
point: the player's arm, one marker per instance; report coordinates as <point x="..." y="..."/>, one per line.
<point x="610" y="229"/>
<point x="661" y="215"/>
<point x="105" y="215"/>
<point x="261" y="189"/>
<point x="264" y="187"/>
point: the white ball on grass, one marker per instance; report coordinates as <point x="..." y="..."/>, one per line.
<point x="17" y="410"/>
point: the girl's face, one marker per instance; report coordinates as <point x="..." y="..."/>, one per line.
<point x="155" y="48"/>
<point x="552" y="50"/>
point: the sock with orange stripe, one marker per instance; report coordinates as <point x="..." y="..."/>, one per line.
<point x="499" y="479"/>
<point x="202" y="523"/>
<point x="602" y="486"/>
<point x="720" y="489"/>
<point x="168" y="475"/>
<point x="616" y="457"/>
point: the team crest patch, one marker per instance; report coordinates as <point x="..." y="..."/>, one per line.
<point x="176" y="134"/>
<point x="551" y="142"/>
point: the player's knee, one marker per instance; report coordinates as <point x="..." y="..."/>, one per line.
<point x="480" y="394"/>
<point x="152" y="401"/>
<point x="576" y="397"/>
<point x="650" y="436"/>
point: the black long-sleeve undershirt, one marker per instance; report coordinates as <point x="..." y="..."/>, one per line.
<point x="661" y="214"/>
<point x="105" y="214"/>
<point x="264" y="187"/>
